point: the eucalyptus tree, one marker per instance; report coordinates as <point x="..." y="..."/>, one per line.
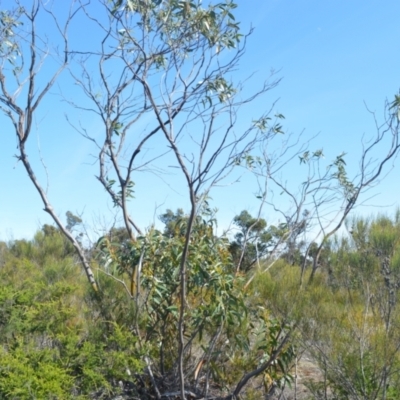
<point x="164" y="75"/>
<point x="157" y="74"/>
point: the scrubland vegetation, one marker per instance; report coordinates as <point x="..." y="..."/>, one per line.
<point x="60" y="339"/>
<point x="179" y="312"/>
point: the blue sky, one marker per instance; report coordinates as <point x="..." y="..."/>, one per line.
<point x="335" y="58"/>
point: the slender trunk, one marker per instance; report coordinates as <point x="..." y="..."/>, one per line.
<point x="49" y="209"/>
<point x="183" y="271"/>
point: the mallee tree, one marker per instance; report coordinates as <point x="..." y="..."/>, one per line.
<point x="158" y="75"/>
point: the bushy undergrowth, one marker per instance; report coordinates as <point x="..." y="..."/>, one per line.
<point x="226" y="335"/>
<point x="348" y="316"/>
<point x="58" y="341"/>
<point x="61" y="340"/>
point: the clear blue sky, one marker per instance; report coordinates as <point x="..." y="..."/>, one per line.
<point x="334" y="58"/>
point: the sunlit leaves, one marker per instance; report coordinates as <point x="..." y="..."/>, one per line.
<point x="264" y="124"/>
<point x="308" y="156"/>
<point x="182" y="25"/>
<point x="396" y="105"/>
<point x="9" y="46"/>
<point x="249" y="161"/>
<point x="127" y="190"/>
<point x="341" y="175"/>
<point x="219" y="87"/>
<point x="117" y="128"/>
